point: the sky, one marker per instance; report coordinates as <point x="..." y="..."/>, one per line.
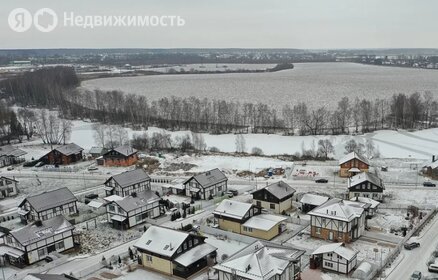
<point x="302" y="24"/>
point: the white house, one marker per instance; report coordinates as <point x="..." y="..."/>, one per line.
<point x="36" y="241"/>
<point x="49" y="204"/>
<point x="335" y="257"/>
<point x="8" y="187"/>
<point x="262" y="260"/>
<point x="206" y="185"/>
<point x="132" y="210"/>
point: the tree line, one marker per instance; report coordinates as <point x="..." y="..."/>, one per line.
<point x="56" y="88"/>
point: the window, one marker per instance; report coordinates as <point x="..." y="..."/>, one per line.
<point x="148" y="258"/>
<point x="112" y="208"/>
<point x="248" y="229"/>
<point x="9" y="240"/>
<point x="259" y="203"/>
<point x="195" y="242"/>
<point x="120" y="210"/>
<point x="328" y="264"/>
<point x="219" y="189"/>
<point x="185" y="246"/>
<point x="272" y="206"/>
<point x="318" y="231"/>
<point x="179" y="250"/>
<point x="41" y="252"/>
<point x="44" y="217"/>
<point x="10" y="190"/>
<point x="138" y="218"/>
<point x="71" y="209"/>
<point x="59" y="245"/>
<point x="190" y="243"/>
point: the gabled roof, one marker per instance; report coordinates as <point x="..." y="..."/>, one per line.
<point x="336" y="209"/>
<point x="195" y="254"/>
<point x="260" y="260"/>
<point x="124" y="150"/>
<point x="279" y="189"/>
<point x="313" y="199"/>
<point x="129" y="178"/>
<point x="232" y="209"/>
<point x="373" y="203"/>
<point x="70" y="149"/>
<point x="353" y="155"/>
<point x="32" y="233"/>
<point x="7" y="178"/>
<point x="209" y="178"/>
<point x="364" y="177"/>
<point x="144" y="198"/>
<point x="161" y="240"/>
<point x="96" y="150"/>
<point x="337" y="248"/>
<point x="50" y="199"/>
<point x="11" y="151"/>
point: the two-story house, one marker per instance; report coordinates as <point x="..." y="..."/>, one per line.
<point x="276" y="197"/>
<point x="134" y="209"/>
<point x="366" y="184"/>
<point x="120" y="156"/>
<point x="127" y="183"/>
<point x="247" y="219"/>
<point x="338" y="220"/>
<point x="8" y="187"/>
<point x="352" y="164"/>
<point x="49" y="204"/>
<point x="334" y="257"/>
<point x="206" y="185"/>
<point x="64" y="155"/>
<point x="36" y="241"/>
<point x="173" y="252"/>
<point x="262" y="260"/>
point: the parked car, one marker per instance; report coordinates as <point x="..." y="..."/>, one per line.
<point x="48" y="259"/>
<point x="92" y="168"/>
<point x="412" y="245"/>
<point x="428" y="184"/>
<point x="433" y="267"/>
<point x="234" y="192"/>
<point x="91" y="196"/>
<point x="416" y="275"/>
<point x="322" y="180"/>
<point x="10" y="168"/>
<point x="229" y="194"/>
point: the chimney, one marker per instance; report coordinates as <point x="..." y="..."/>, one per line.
<point x="433" y="158"/>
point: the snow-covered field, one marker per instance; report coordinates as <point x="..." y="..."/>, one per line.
<point x="390" y="144"/>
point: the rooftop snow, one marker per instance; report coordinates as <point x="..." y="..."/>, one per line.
<point x="195" y="254"/>
<point x="365" y="177"/>
<point x="232" y="208"/>
<point x="162" y="241"/>
<point x="70" y="149"/>
<point x="280" y="189"/>
<point x="353" y="155"/>
<point x="337" y="248"/>
<point x="144" y="198"/>
<point x="264" y="221"/>
<point x="336" y="209"/>
<point x="129" y="178"/>
<point x="209" y="178"/>
<point x="313" y="199"/>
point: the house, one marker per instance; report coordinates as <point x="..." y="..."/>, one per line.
<point x="133" y="210"/>
<point x="276" y="197"/>
<point x="11" y="155"/>
<point x="120" y="156"/>
<point x="34" y="276"/>
<point x="334" y="257"/>
<point x="96" y="152"/>
<point x="63" y="155"/>
<point x="262" y="260"/>
<point x="353" y="163"/>
<point x="247" y="219"/>
<point x="337" y="220"/>
<point x="49" y="204"/>
<point x="206" y="185"/>
<point x="36" y="241"/>
<point x="8" y="187"/>
<point x="431" y="170"/>
<point x="127" y="183"/>
<point x="371" y="204"/>
<point x="366" y="184"/>
<point x="311" y="201"/>
<point x="174" y="252"/>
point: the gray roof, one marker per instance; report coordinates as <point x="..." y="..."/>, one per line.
<point x="7" y="178"/>
<point x="32" y="233"/>
<point x="97" y="150"/>
<point x="70" y="149"/>
<point x="11" y="151"/>
<point x="130" y="203"/>
<point x="209" y="178"/>
<point x="49" y="277"/>
<point x="50" y="199"/>
<point x="125" y="150"/>
<point x="130" y="178"/>
<point x="280" y="189"/>
<point x="363" y="177"/>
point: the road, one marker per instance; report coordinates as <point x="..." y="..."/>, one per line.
<point x="416" y="259"/>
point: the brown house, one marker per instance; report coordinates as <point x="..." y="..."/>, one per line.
<point x="120" y="156"/>
<point x="353" y="164"/>
<point x="64" y="155"/>
<point x="431" y="170"/>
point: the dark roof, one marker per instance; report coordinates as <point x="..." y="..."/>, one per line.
<point x="97" y="150"/>
<point x="11" y="151"/>
<point x="280" y="189"/>
<point x="32" y="233"/>
<point x="50" y="199"/>
<point x="7" y="178"/>
<point x="130" y="178"/>
<point x="70" y="149"/>
<point x="124" y="150"/>
<point x="52" y="276"/>
<point x="144" y="198"/>
<point x="209" y="178"/>
<point x="365" y="177"/>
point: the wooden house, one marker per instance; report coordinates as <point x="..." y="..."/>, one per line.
<point x="352" y="164"/>
<point x="64" y="155"/>
<point x="120" y="156"/>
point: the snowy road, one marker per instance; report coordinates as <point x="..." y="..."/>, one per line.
<point x="416" y="259"/>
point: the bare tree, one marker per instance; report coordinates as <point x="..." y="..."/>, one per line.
<point x="325" y="147"/>
<point x="99" y="135"/>
<point x="240" y="143"/>
<point x="353" y="146"/>
<point x="198" y="141"/>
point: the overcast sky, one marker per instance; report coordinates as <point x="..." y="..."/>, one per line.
<point x="309" y="24"/>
